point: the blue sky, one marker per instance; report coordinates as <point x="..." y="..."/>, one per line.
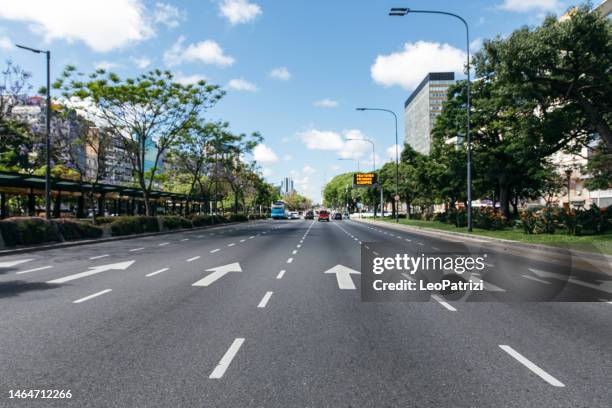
<point x="293" y="70"/>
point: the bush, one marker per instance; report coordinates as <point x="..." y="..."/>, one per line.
<point x="134" y="225"/>
<point x="202" y="220"/>
<point x="487" y="218"/>
<point x="238" y="218"/>
<point x="72" y="230"/>
<point x="172" y="222"/>
<point x="28" y="231"/>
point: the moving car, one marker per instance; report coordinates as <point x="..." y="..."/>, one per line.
<point x="309" y="215"/>
<point x="293" y="215"/>
<point x="323" y="215"/>
<point x="337" y="216"/>
<point x="346" y="215"/>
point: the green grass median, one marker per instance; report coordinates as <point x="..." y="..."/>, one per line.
<point x="589" y="243"/>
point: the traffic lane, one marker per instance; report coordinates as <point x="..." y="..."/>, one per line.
<point x="162" y="323"/>
<point x="523" y="274"/>
<point x="42" y="264"/>
<point x="571" y="339"/>
<point x="41" y="292"/>
<point x="324" y="347"/>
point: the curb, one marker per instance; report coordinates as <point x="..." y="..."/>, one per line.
<point x="588" y="259"/>
<point x="45" y="247"/>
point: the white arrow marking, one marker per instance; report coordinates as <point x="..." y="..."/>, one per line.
<point x="8" y="264"/>
<point x="343" y="276"/>
<point x="94" y="270"/>
<point x="603" y="287"/>
<point x="218" y="273"/>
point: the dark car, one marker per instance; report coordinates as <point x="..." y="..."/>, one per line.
<point x="309" y="215"/>
<point x="323" y="215"/>
<point x="337" y="216"/>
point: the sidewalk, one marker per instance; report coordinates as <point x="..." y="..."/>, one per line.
<point x="590" y="261"/>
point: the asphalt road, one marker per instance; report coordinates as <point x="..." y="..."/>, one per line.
<point x="265" y="326"/>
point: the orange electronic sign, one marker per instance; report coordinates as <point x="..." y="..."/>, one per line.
<point x="364" y="179"/>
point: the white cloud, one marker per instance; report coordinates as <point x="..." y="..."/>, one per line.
<point x="207" y="52"/>
<point x="242" y="84"/>
<point x="475" y="45"/>
<point x="287" y="157"/>
<point x="326" y="103"/>
<point x="141" y="62"/>
<point x="308" y="170"/>
<point x="321" y="140"/>
<point x="239" y="11"/>
<point x="264" y="154"/>
<point x="5" y="43"/>
<point x="101" y="25"/>
<point x="188" y="79"/>
<point x="168" y="15"/>
<point x="408" y="67"/>
<point x="106" y="65"/>
<point x="280" y="73"/>
<point x="390" y="151"/>
<point x="522" y="6"/>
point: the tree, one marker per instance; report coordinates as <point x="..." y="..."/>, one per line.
<point x="298" y="202"/>
<point x="566" y="62"/>
<point x="150" y="112"/>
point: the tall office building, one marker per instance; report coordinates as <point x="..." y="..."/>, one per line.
<point x="286" y="187"/>
<point x="423" y="107"/>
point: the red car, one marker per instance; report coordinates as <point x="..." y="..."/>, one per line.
<point x="323" y="215"/>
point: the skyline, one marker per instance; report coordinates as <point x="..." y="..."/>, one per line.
<point x="313" y="76"/>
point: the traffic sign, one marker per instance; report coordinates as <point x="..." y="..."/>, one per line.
<point x="364" y="179"/>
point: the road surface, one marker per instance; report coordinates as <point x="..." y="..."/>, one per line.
<point x="246" y="316"/>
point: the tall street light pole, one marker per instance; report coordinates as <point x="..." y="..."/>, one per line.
<point x="48" y="130"/>
<point x="396" y="198"/>
<point x="373" y="166"/>
<point x="402" y="11"/>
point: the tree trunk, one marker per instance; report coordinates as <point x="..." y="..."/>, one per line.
<point x="504" y="200"/>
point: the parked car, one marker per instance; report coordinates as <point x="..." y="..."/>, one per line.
<point x="323" y="215"/>
<point x="309" y="215"/>
<point x="337" y="216"/>
<point x="346" y="216"/>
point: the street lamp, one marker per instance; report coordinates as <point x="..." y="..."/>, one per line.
<point x="396" y="158"/>
<point x="402" y="11"/>
<point x="373" y="166"/>
<point x="48" y="129"/>
<point x="355" y="160"/>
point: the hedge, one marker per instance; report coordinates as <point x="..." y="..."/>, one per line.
<point x="133" y="225"/>
<point x="172" y="222"/>
<point x="28" y="231"/>
<point x="72" y="230"/>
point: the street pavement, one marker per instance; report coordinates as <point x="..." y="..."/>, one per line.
<point x="245" y="315"/>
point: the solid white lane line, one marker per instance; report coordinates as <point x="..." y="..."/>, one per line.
<point x="193" y="259"/>
<point x="536" y="279"/>
<point x="214" y="250"/>
<point x="35" y="269"/>
<point x="92" y="296"/>
<point x="156" y="272"/>
<point x="227" y="358"/>
<point x="264" y="300"/>
<point x="99" y="256"/>
<point x="294" y="252"/>
<point x="164" y="243"/>
<point x="280" y="274"/>
<point x="231" y="245"/>
<point x="136" y="249"/>
<point x="533" y="367"/>
<point x="289" y="260"/>
<point x="443" y="303"/>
